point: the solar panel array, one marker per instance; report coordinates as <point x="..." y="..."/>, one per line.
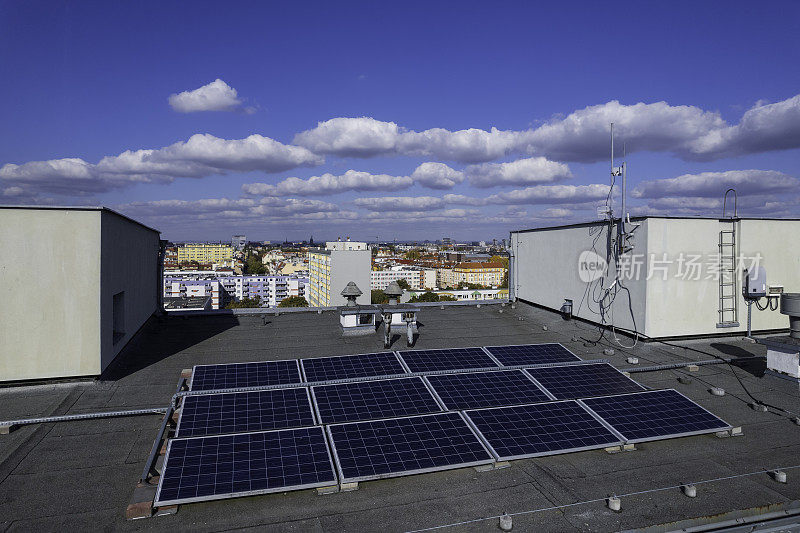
<point x="532" y="354"/>
<point x="255" y="442"/>
<point x="486" y="389"/>
<point x="366" y="400"/>
<point x="235" y="375"/>
<point x="351" y="366"/>
<point x="583" y="381"/>
<point x="217" y="414"/>
<point x="446" y="359"/>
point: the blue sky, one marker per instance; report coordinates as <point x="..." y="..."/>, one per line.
<point x="391" y="107"/>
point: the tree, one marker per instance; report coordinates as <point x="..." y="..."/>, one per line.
<point x="504" y="283"/>
<point x="426" y="297"/>
<point x="253" y="264"/>
<point x="377" y="296"/>
<point x="293" y="301"/>
<point x="499" y="259"/>
<point x="447" y="298"/>
<point x="404" y="284"/>
<point x="413" y="255"/>
<point x="245" y="303"/>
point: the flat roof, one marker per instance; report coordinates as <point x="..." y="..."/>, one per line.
<point x="80" y="208"/>
<point x="79" y="475"/>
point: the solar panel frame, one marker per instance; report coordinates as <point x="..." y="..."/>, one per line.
<point x="556" y="393"/>
<point x="305" y="372"/>
<point x="499" y="457"/>
<point x="236" y="494"/>
<point x="407" y="355"/>
<point x="635" y="440"/>
<point x="385" y="475"/>
<point x="297" y="364"/>
<point x="322" y="420"/>
<point x="314" y="420"/>
<point x="498" y="356"/>
<point x="478" y="375"/>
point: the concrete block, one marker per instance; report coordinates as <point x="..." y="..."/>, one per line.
<point x="348" y="487"/>
<point x="141" y="504"/>
<point x="166" y="510"/>
<point x="5" y="430"/>
<point x="693" y="368"/>
<point x="332" y="489"/>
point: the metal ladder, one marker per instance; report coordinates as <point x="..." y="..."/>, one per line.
<point x="728" y="308"/>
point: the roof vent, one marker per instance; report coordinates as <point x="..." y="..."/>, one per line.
<point x="394" y="292"/>
<point x="351" y="292"/>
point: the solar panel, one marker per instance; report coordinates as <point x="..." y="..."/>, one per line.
<point x="233" y="375"/>
<point x="351" y="366"/>
<point x="486" y="389"/>
<point x="540" y="429"/>
<point x="404" y="446"/>
<point x="210" y="468"/>
<point x="583" y="381"/>
<point x="217" y="414"/>
<point x="446" y="359"/>
<point x="655" y="415"/>
<point x="532" y="354"/>
<point x="366" y="400"/>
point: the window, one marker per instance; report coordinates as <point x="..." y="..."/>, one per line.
<point x="118" y="312"/>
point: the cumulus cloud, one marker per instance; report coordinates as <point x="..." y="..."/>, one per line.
<point x="520" y="172"/>
<point x="714" y="184"/>
<point x="216" y="96"/>
<point x="201" y="155"/>
<point x="351" y="180"/>
<point x="400" y="203"/>
<point x="267" y="207"/>
<point x="552" y="194"/>
<point x="764" y="127"/>
<point x="437" y="176"/>
<point x="583" y="135"/>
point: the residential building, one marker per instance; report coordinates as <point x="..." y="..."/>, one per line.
<point x="205" y="253"/>
<point x="429" y="278"/>
<point x="238" y="242"/>
<point x="171" y="258"/>
<point x="380" y="279"/>
<point x="489" y="274"/>
<point x="469" y="295"/>
<point x="331" y="269"/>
<point x="78" y="283"/>
<point x="270" y="290"/>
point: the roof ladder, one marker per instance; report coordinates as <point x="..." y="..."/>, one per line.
<point x="728" y="308"/>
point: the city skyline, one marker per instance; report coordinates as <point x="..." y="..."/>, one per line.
<point x="388" y="123"/>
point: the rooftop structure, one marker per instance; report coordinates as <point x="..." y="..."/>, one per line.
<point x="331" y="269"/>
<point x="72" y="474"/>
<point x="662" y="276"/>
<point x="77" y="284"/>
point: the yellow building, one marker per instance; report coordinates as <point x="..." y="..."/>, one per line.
<point x="205" y="253"/>
<point x="319" y="275"/>
<point x="489" y="274"/>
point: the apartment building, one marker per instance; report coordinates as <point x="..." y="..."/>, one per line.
<point x="331" y="269"/>
<point x="490" y="274"/>
<point x="205" y="253"/>
<point x="271" y="290"/>
<point x="171" y="258"/>
<point x="380" y="279"/>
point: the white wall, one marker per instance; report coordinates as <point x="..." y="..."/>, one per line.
<point x="546" y="266"/>
<point x="346" y="266"/>
<point x="50" y="293"/>
<point x="665" y="303"/>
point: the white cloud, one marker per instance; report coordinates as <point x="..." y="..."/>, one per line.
<point x="687" y="131"/>
<point x="216" y="96"/>
<point x="763" y="128"/>
<point x="351" y="180"/>
<point x="437" y="176"/>
<point x="208" y="208"/>
<point x="714" y="184"/>
<point x="201" y="155"/>
<point x="350" y="137"/>
<point x="551" y="194"/>
<point x="400" y="203"/>
<point x="520" y="172"/>
<point x="460" y="199"/>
